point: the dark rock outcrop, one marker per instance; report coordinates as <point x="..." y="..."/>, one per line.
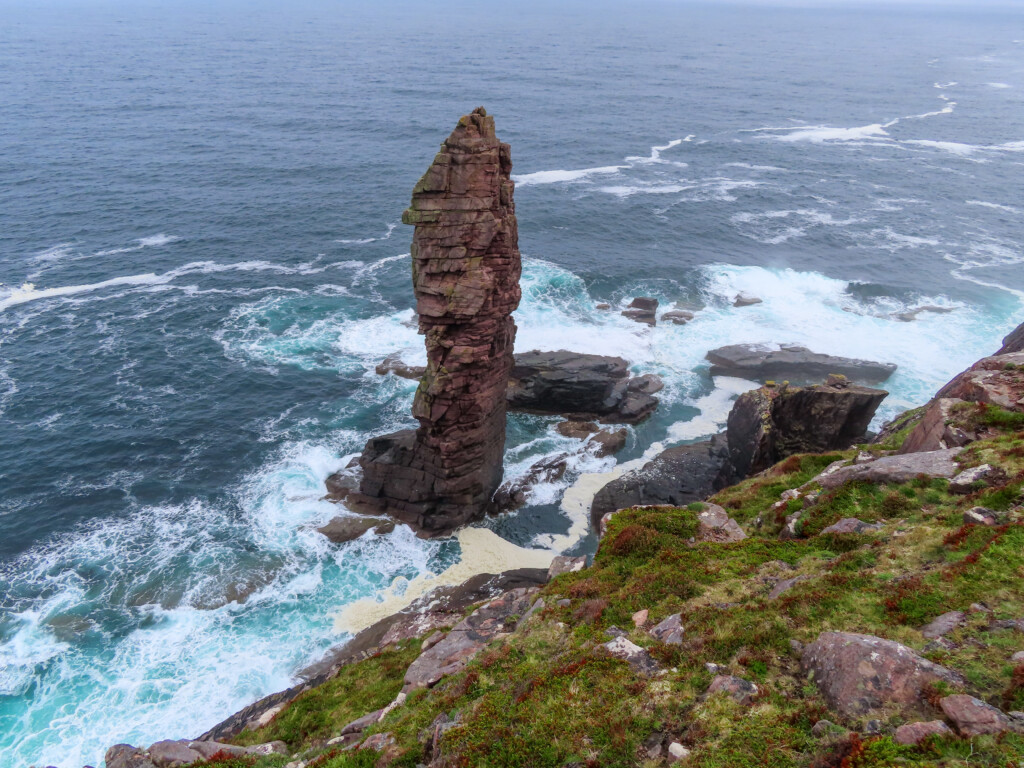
<point x="643" y="310"/>
<point x="793" y="363"/>
<point x="677" y="476"/>
<point x="1013" y="342"/>
<point x="348" y="527"/>
<point x="858" y="674"/>
<point x="581" y="386"/>
<point x="465" y="268"/>
<point x="766" y="425"/>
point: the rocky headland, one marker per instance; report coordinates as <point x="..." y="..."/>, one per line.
<point x="794" y="593"/>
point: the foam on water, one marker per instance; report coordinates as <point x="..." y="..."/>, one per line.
<point x="994" y="206"/>
<point x="822" y="134"/>
<point x="556" y="177"/>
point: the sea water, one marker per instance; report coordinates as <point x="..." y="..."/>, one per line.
<point x="205" y="197"/>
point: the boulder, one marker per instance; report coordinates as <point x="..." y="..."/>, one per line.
<point x="766" y="425"/>
<point x="572" y="383"/>
<point x="858" y="674"/>
<point x="851" y="525"/>
<point x="968" y="481"/>
<point x="348" y="527"/>
<point x="791" y="362"/>
<point x="677" y="317"/>
<point x="1013" y="342"/>
<point x="677" y="476"/>
<point x="580" y="430"/>
<point x="746" y="300"/>
<point x="393" y="364"/>
<point x="742" y="691"/>
<point x="982" y="516"/>
<point x="640" y="618"/>
<point x="565" y="564"/>
<point x="943" y="625"/>
<point x="360" y="724"/>
<point x="173" y="754"/>
<point x="997" y="380"/>
<point x="642" y="310"/>
<point x="210" y="748"/>
<point x="669" y="630"/>
<point x="639" y="660"/>
<point x="606" y="442"/>
<point x="677" y="752"/>
<point x="270" y="748"/>
<point x="127" y="756"/>
<point x="468" y="638"/>
<point x="514" y="492"/>
<point x="714" y="524"/>
<point x="784" y="585"/>
<point x="913" y="734"/>
<point x="937" y="429"/>
<point x="465" y="266"/>
<point x="379" y="742"/>
<point x="973" y="717"/>
<point x="894" y="469"/>
<point x="343" y="482"/>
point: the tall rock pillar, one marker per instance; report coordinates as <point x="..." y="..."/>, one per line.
<point x="465" y="274"/>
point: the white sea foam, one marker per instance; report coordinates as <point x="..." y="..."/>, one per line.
<point x="943" y="86"/>
<point x="888" y="239"/>
<point x="994" y="206"/>
<point x="152" y="241"/>
<point x="825" y="134"/>
<point x="23" y="295"/>
<point x="555" y="177"/>
<point x="999" y="86"/>
<point x="655" y="156"/>
<point x="777" y="227"/>
<point x="367" y="240"/>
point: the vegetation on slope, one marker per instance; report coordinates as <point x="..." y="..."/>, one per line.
<point x="548" y="694"/>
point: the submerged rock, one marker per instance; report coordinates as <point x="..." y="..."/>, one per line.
<point x="677" y="317"/>
<point x="575" y="384"/>
<point x="746" y="300"/>
<point x="348" y="527"/>
<point x="642" y="310"/>
<point x="677" y="476"/>
<point x="791" y="362"/>
<point x="766" y="425"/>
<point x="465" y="269"/>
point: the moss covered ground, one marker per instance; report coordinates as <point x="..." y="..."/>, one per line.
<point x="548" y="695"/>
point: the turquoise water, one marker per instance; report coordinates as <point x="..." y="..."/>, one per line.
<point x="207" y="202"/>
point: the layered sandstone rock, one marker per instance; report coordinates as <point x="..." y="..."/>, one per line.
<point x="465" y="271"/>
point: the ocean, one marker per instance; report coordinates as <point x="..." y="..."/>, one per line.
<point x="206" y="198"/>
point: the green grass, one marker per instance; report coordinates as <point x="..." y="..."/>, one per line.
<point x="548" y="695"/>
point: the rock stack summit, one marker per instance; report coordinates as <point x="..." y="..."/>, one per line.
<point x="465" y="274"/>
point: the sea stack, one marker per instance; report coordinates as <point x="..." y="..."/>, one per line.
<point x="465" y="274"/>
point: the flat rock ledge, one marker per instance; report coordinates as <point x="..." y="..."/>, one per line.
<point x="793" y="363"/>
<point x="581" y="386"/>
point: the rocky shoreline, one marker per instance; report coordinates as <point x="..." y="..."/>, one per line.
<point x="786" y="485"/>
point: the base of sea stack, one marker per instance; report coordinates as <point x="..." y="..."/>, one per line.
<point x="397" y="481"/>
